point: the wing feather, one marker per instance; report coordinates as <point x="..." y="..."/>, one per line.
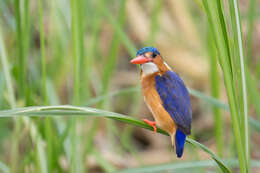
<point x="175" y="98"/>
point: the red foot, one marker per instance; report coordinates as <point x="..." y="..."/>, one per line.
<point x="151" y="123"/>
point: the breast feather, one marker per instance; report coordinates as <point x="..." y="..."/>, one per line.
<point x="155" y="105"/>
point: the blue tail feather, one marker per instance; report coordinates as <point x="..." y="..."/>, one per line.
<point x="179" y="142"/>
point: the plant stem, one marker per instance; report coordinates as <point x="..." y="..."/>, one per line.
<point x="43" y="57"/>
<point x="251" y="19"/>
<point x="218" y="27"/>
<point x="20" y="38"/>
<point x="77" y="37"/>
<point x="215" y="93"/>
<point x="242" y="67"/>
<point x="17" y="121"/>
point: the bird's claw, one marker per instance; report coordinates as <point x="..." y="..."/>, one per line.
<point x="151" y="123"/>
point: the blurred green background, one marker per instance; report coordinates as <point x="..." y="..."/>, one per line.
<point x="77" y="52"/>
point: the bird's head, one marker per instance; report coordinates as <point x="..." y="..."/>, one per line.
<point x="150" y="60"/>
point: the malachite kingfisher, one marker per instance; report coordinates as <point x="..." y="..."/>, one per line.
<point x="166" y="96"/>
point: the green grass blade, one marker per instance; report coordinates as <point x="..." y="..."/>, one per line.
<point x="78" y="55"/>
<point x="179" y="166"/>
<point x="48" y="127"/>
<point x="215" y="92"/>
<point x="66" y="110"/>
<point x="11" y="96"/>
<point x="6" y="71"/>
<point x="36" y="138"/>
<point x="251" y="20"/>
<point x="119" y="31"/>
<point x="243" y="78"/>
<point x="218" y="160"/>
<point x="253" y="91"/>
<point x="114" y="49"/>
<point x="217" y="25"/>
<point x="154" y="20"/>
<point x="20" y="38"/>
<point x="76" y="48"/>
<point x="43" y="58"/>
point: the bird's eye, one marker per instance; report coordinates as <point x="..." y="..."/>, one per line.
<point x="154" y="55"/>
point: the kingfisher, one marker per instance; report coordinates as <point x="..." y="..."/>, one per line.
<point x="166" y="97"/>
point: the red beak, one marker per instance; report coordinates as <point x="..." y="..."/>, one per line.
<point x="140" y="60"/>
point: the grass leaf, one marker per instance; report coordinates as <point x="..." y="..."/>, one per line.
<point x="67" y="110"/>
<point x="180" y="166"/>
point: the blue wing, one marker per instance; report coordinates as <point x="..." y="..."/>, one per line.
<point x="175" y="98"/>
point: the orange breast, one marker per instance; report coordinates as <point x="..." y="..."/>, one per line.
<point x="154" y="103"/>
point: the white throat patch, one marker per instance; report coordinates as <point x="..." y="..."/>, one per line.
<point x="149" y="68"/>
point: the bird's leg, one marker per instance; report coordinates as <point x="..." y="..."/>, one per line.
<point x="151" y="123"/>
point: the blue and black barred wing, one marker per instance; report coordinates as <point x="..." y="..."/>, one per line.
<point x="175" y="99"/>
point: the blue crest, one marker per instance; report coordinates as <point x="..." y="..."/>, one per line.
<point x="147" y="49"/>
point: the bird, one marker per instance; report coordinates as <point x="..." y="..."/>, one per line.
<point x="166" y="96"/>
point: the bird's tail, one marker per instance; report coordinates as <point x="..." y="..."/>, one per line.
<point x="179" y="142"/>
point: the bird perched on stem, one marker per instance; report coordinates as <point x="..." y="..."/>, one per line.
<point x="166" y="96"/>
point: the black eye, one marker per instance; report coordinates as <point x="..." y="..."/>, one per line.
<point x="154" y="55"/>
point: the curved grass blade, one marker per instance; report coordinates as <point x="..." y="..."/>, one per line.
<point x="185" y="165"/>
<point x="67" y="110"/>
<point x="213" y="156"/>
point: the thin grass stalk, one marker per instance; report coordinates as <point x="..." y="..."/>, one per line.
<point x="253" y="91"/>
<point x="109" y="69"/>
<point x="95" y="24"/>
<point x="87" y="61"/>
<point x="217" y="26"/>
<point x="129" y="46"/>
<point x="10" y="90"/>
<point x="215" y="89"/>
<point x="119" y="31"/>
<point x="251" y="20"/>
<point x="77" y="38"/>
<point x="43" y="56"/>
<point x="112" y="56"/>
<point x="76" y="51"/>
<point x="157" y="7"/>
<point x="127" y="133"/>
<point x="48" y="127"/>
<point x="243" y="82"/>
<point x="36" y="138"/>
<point x="6" y="69"/>
<point x="83" y="81"/>
<point x="26" y="46"/>
<point x="132" y="51"/>
<point x="21" y="78"/>
<point x="20" y="39"/>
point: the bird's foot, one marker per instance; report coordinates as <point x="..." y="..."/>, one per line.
<point x="151" y="123"/>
